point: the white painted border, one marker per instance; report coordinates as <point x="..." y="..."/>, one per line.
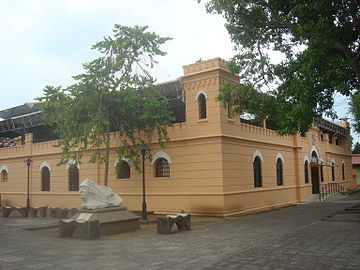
<point x="279" y="155"/>
<point x="306" y="158"/>
<point x="314" y="149"/>
<point x="44" y="164"/>
<point x="117" y="160"/>
<point x="199" y="93"/>
<point x="70" y="162"/>
<point x="333" y="162"/>
<point x="4" y="167"/>
<point x="160" y="154"/>
<point x="257" y="153"/>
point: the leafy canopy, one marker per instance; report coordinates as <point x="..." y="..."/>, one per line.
<point x="115" y="93"/>
<point x="320" y="42"/>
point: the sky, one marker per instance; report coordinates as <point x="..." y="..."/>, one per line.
<point x="46" y="42"/>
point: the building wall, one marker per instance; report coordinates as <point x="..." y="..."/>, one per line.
<point x="211" y="170"/>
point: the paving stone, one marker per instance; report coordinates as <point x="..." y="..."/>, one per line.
<point x="289" y="238"/>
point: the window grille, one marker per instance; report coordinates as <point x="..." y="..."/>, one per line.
<point x="202" y="106"/>
<point x="306" y="172"/>
<point x="122" y="170"/>
<point x="45" y="179"/>
<point x="322" y="172"/>
<point x="257" y="172"/>
<point x="279" y="172"/>
<point x="73" y="178"/>
<point x="162" y="168"/>
<point x="4" y="176"/>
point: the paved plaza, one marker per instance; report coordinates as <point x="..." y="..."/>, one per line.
<point x="297" y="237"/>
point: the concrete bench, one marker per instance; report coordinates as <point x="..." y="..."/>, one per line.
<point x="88" y="229"/>
<point x="58" y="212"/>
<point x="165" y="223"/>
<point x="7" y="210"/>
<point x="38" y="211"/>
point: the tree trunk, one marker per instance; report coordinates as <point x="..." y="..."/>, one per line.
<point x="107" y="153"/>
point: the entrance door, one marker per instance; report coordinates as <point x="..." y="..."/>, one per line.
<point x="315" y="180"/>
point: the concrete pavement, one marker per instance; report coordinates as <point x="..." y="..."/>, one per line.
<point x="298" y="237"/>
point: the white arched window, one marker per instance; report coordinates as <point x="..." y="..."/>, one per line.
<point x="4" y="173"/>
<point x="201" y="98"/>
<point x="257" y="168"/>
<point x="122" y="168"/>
<point x="161" y="162"/>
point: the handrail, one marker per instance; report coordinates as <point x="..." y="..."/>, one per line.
<point x="330" y="188"/>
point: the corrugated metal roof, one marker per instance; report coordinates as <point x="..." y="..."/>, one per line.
<point x="24" y="109"/>
<point x="356" y="160"/>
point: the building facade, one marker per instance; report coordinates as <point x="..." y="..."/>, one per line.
<point x="214" y="164"/>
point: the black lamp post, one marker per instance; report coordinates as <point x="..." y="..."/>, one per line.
<point x="28" y="163"/>
<point x="143" y="148"/>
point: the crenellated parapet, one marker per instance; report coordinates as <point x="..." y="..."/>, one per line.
<point x="208" y="65"/>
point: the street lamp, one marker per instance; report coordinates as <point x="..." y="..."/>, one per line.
<point x="28" y="163"/>
<point x="143" y="148"/>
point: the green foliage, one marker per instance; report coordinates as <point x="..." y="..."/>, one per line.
<point x="320" y="42"/>
<point x="115" y="93"/>
<point x="356" y="149"/>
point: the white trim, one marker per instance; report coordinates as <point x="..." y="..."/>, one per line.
<point x="342" y="162"/>
<point x="313" y="148"/>
<point x="333" y="161"/>
<point x="117" y="160"/>
<point x="199" y="93"/>
<point x="4" y="167"/>
<point x="70" y="162"/>
<point x="306" y="158"/>
<point x="279" y="155"/>
<point x="160" y="154"/>
<point x="321" y="161"/>
<point x="257" y="153"/>
<point x="44" y="164"/>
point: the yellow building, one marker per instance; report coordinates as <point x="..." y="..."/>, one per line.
<point x="215" y="164"/>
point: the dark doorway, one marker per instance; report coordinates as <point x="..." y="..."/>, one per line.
<point x="315" y="179"/>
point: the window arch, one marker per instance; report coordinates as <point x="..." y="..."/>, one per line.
<point x="202" y="106"/>
<point x="257" y="172"/>
<point x="162" y="168"/>
<point x="343" y="170"/>
<point x="333" y="171"/>
<point x="279" y="172"/>
<point x="4" y="175"/>
<point x="122" y="169"/>
<point x="73" y="178"/>
<point x="45" y="179"/>
<point x="306" y="171"/>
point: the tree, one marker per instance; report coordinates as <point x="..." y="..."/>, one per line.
<point x="115" y="93"/>
<point x="320" y="42"/>
<point x="356" y="149"/>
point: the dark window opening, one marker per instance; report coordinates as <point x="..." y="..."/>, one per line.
<point x="343" y="171"/>
<point x="162" y="168"/>
<point x="122" y="170"/>
<point x="45" y="179"/>
<point x="257" y="172"/>
<point x="322" y="172"/>
<point x="279" y="172"/>
<point x="4" y="176"/>
<point x="333" y="171"/>
<point x="73" y="178"/>
<point x="306" y="172"/>
<point x="202" y="106"/>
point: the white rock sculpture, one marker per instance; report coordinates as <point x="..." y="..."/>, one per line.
<point x="96" y="196"/>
